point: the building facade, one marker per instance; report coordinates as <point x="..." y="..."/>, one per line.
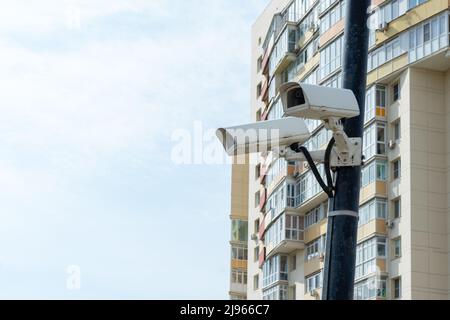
<point x="403" y="236"/>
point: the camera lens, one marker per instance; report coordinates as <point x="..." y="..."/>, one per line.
<point x="295" y="98"/>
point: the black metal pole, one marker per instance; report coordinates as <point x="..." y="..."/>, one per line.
<point x="340" y="256"/>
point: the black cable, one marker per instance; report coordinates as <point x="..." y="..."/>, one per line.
<point x="312" y="165"/>
<point x="327" y="164"/>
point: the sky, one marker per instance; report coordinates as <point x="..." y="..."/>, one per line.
<point x="95" y="95"/>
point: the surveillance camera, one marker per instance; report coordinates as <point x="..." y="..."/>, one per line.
<point x="317" y="102"/>
<point x="263" y="136"/>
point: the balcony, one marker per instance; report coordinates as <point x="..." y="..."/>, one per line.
<point x="314" y="265"/>
<point x="284" y="235"/>
<point x="412" y="17"/>
<point x="238" y="288"/>
<point x="238" y="264"/>
<point x="386" y="69"/>
<point x="332" y="33"/>
<point x="377" y="226"/>
<point x="284" y="62"/>
<point x="375" y="189"/>
<point x="283" y="52"/>
<point x="316" y="230"/>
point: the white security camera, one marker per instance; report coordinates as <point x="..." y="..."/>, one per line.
<point x="263" y="136"/>
<point x="317" y="102"/>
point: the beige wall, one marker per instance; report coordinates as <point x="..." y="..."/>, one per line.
<point x="239" y="191"/>
<point x="428" y="249"/>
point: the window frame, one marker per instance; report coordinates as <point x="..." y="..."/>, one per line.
<point x="396" y="169"/>
<point x="396" y="93"/>
<point x="396" y="281"/>
<point x="397" y="248"/>
<point x="397" y="208"/>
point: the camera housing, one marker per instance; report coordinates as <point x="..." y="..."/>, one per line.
<point x="317" y="102"/>
<point x="263" y="136"/>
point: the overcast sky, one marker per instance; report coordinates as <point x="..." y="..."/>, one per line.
<point x="91" y="93"/>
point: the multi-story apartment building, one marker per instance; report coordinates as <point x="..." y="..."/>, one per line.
<point x="403" y="236"/>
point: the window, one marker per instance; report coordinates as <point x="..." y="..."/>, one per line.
<point x="414" y="3"/>
<point x="390" y="11"/>
<point x="396" y="288"/>
<point x="385" y="53"/>
<point x="331" y="58"/>
<point x="256" y="254"/>
<point x="257" y="198"/>
<point x="275" y="269"/>
<point x="285" y="43"/>
<point x="256" y="282"/>
<point x="319" y="139"/>
<point x="374" y="142"/>
<point x="315" y="215"/>
<point x="375" y="103"/>
<point x="332" y="17"/>
<point x="325" y="4"/>
<point x="311" y="78"/>
<point x="397" y="208"/>
<point x="239" y="230"/>
<point x="290" y="195"/>
<point x="312" y="18"/>
<point x="375" y="209"/>
<point x="307" y="186"/>
<point x="313" y="282"/>
<point x="367" y="254"/>
<point x="276" y="111"/>
<point x="374" y="171"/>
<point x="258" y="171"/>
<point x="428" y="37"/>
<point x="278" y="200"/>
<point x="370" y="288"/>
<point x="275" y="170"/>
<point x="258" y="90"/>
<point x="256" y="225"/>
<point x="315" y="248"/>
<point x="279" y="292"/>
<point x="397" y="245"/>
<point x="396" y="92"/>
<point x="239" y="276"/>
<point x="293" y="262"/>
<point x="285" y="227"/>
<point x="294" y="228"/>
<point x="397" y="169"/>
<point x="334" y="81"/>
<point x="397" y="131"/>
<point x="238" y="252"/>
<point x="302" y="58"/>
